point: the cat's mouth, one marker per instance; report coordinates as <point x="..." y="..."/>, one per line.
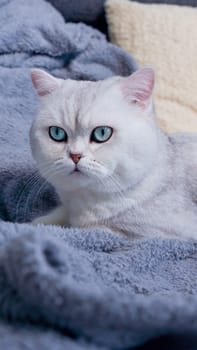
<point x="76" y="171"/>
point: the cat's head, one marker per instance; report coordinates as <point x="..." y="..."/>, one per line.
<point x="96" y="134"/>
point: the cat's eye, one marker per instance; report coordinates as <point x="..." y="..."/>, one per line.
<point x="58" y="134"/>
<point x="101" y="134"/>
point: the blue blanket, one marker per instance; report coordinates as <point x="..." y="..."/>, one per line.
<point x="62" y="288"/>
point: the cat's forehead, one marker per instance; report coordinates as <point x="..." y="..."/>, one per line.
<point x="79" y="94"/>
<point x="83" y="92"/>
<point x="80" y="101"/>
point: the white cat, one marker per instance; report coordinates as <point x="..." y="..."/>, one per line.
<point x="98" y="144"/>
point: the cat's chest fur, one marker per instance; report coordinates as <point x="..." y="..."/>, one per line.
<point x="170" y="211"/>
<point x="88" y="208"/>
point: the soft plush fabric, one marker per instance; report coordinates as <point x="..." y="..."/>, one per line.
<point x="171" y="2"/>
<point x="164" y="37"/>
<point x="77" y="286"/>
<point x="90" y="11"/>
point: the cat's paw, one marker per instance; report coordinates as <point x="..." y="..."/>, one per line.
<point x="55" y="217"/>
<point x="38" y="221"/>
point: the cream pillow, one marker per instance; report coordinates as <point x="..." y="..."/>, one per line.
<point x="164" y="37"/>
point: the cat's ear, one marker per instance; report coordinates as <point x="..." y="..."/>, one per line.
<point x="138" y="87"/>
<point x="43" y="82"/>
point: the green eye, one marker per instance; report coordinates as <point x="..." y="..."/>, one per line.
<point x="101" y="134"/>
<point x="58" y="134"/>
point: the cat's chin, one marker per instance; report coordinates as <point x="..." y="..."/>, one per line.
<point x="73" y="181"/>
<point x="76" y="172"/>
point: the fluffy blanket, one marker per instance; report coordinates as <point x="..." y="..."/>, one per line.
<point x="73" y="289"/>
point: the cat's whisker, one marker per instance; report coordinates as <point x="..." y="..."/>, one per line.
<point x="33" y="181"/>
<point x="49" y="174"/>
<point x="116" y="188"/>
<point x="36" y="193"/>
<point x="116" y="183"/>
<point x="47" y="180"/>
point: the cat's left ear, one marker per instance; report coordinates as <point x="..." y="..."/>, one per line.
<point x="43" y="82"/>
<point x="138" y="87"/>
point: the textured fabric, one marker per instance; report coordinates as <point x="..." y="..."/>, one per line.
<point x="92" y="11"/>
<point x="89" y="11"/>
<point x="171" y="2"/>
<point x="95" y="287"/>
<point x="164" y="37"/>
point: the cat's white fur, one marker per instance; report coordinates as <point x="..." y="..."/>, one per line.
<point x="115" y="178"/>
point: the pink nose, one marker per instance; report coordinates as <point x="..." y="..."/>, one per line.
<point x="75" y="157"/>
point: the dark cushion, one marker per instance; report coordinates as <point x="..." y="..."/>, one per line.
<point x="79" y="10"/>
<point x="87" y="11"/>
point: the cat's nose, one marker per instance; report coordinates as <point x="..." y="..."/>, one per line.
<point x="75" y="157"/>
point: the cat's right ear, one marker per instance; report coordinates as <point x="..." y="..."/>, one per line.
<point x="43" y="82"/>
<point x="138" y="87"/>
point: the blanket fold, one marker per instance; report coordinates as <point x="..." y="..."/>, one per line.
<point x="65" y="288"/>
<point x="97" y="285"/>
